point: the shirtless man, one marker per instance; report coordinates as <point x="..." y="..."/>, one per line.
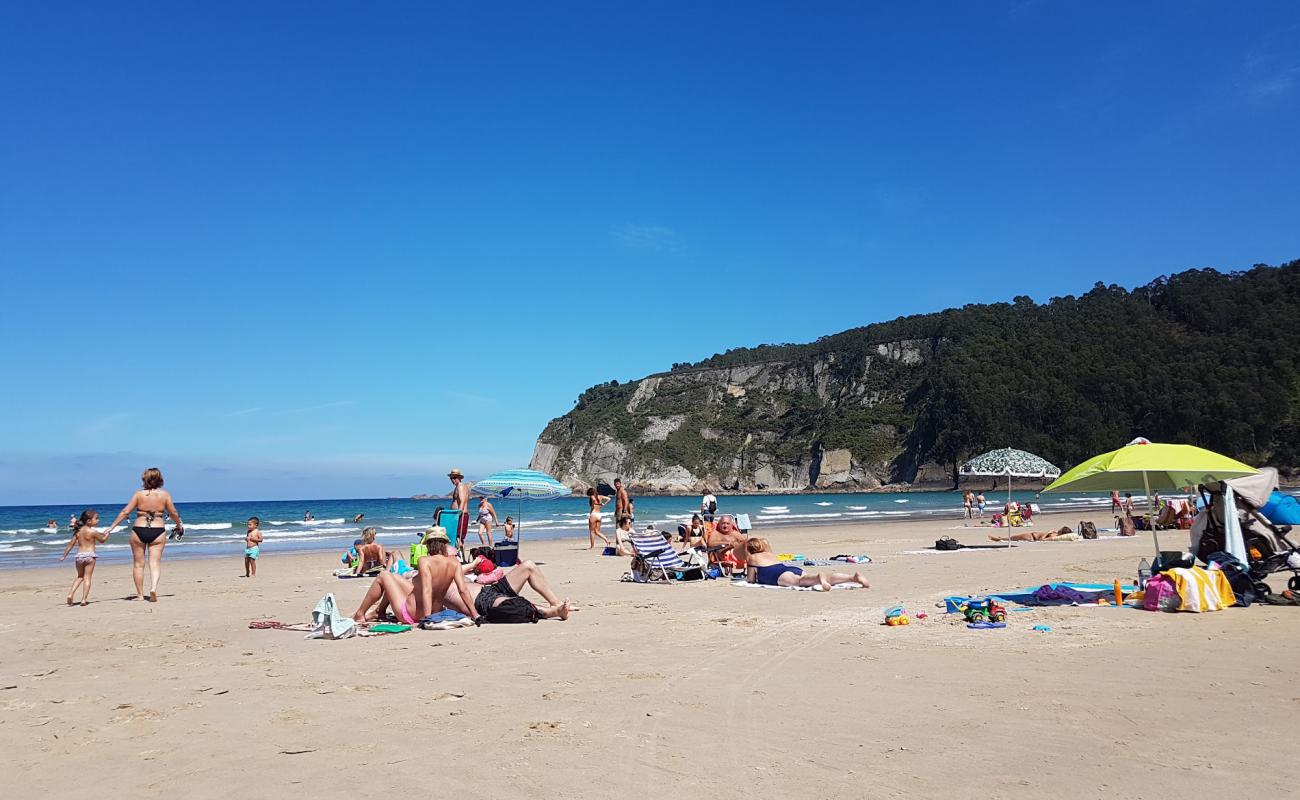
<point x="622" y="506"/>
<point x="413" y="600"/>
<point x="725" y="532"/>
<point x="460" y="502"/>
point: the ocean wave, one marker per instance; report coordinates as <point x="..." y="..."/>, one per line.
<point x="902" y="501"/>
<point x="206" y="526"/>
<point x="769" y="517"/>
<point x="856" y="508"/>
<point x="823" y="504"/>
<point x="12" y="548"/>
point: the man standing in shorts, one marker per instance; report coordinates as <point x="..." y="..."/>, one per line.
<point x="460" y="502"/>
<point x="622" y="505"/>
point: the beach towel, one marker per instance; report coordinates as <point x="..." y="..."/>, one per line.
<point x="795" y="588"/>
<point x="1201" y="589"/>
<point x="385" y="627"/>
<point x="1060" y="595"/>
<point x="328" y="623"/>
<point x="277" y="625"/>
<point x="851" y="559"/>
<point x="445" y="620"/>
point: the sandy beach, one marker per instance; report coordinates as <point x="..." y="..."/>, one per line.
<point x="702" y="688"/>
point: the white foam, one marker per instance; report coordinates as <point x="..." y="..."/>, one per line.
<point x="206" y="526"/>
<point x="9" y="548"/>
<point x="856" y="508"/>
<point x="902" y="501"/>
<point x="831" y="504"/>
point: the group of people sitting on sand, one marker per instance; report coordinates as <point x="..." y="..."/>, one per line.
<point x="725" y="546"/>
<point x="440" y="581"/>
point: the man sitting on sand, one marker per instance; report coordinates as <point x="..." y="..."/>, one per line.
<point x="415" y="599"/>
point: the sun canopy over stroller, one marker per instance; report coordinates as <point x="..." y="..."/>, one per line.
<point x="1241" y="506"/>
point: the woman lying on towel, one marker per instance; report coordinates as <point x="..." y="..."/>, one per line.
<point x="1062" y="535"/>
<point x="765" y="568"/>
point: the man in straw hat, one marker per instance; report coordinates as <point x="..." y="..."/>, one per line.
<point x="460" y="502"/>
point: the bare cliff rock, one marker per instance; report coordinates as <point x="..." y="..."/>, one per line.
<point x="833" y="421"/>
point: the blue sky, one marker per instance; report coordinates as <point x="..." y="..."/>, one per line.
<point x="330" y="250"/>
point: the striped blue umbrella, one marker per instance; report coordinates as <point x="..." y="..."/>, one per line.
<point x="521" y="484"/>
<point x="528" y="484"/>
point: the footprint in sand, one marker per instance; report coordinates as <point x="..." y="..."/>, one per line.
<point x="546" y="726"/>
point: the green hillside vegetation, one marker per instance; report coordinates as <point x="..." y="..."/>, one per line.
<point x="1202" y="357"/>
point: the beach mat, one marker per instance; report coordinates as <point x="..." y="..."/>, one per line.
<point x="1020" y="595"/>
<point x="763" y="586"/>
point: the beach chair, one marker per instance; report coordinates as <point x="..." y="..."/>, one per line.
<point x="449" y="520"/>
<point x="656" y="560"/>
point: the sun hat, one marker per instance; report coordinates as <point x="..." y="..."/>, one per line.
<point x="455" y="473"/>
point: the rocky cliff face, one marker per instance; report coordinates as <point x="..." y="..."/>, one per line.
<point x="830" y="421"/>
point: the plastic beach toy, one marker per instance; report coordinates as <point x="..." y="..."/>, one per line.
<point x="896" y="616"/>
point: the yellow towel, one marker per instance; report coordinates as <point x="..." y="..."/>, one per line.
<point x="1202" y="590"/>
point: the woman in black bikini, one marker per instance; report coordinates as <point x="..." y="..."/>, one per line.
<point x="152" y="505"/>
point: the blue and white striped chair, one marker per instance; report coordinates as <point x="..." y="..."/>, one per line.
<point x="656" y="560"/>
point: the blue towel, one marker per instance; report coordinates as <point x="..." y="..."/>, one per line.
<point x="445" y="615"/>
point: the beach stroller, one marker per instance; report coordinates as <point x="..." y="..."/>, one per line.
<point x="657" y="561"/>
<point x="1269" y="549"/>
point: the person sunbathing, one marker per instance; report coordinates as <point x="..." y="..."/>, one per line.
<point x="1061" y="535"/>
<point x="417" y="598"/>
<point x="765" y="568"/>
<point x="695" y="534"/>
<point x="371" y="555"/>
<point x="726" y="533"/>
<point x="494" y="601"/>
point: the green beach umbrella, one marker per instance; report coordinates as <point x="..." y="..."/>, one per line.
<point x="1148" y="465"/>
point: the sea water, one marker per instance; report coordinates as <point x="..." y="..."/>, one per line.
<point x="217" y="529"/>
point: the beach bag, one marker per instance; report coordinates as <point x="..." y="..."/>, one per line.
<point x="947" y="543"/>
<point x="1087" y="530"/>
<point x="1161" y="595"/>
<point x="420" y="548"/>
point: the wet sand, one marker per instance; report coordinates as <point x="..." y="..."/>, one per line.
<point x="701" y="688"/>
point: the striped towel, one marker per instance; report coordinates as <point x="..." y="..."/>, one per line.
<point x="1201" y="589"/>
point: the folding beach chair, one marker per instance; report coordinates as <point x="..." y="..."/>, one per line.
<point x="449" y="520"/>
<point x="656" y="560"/>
